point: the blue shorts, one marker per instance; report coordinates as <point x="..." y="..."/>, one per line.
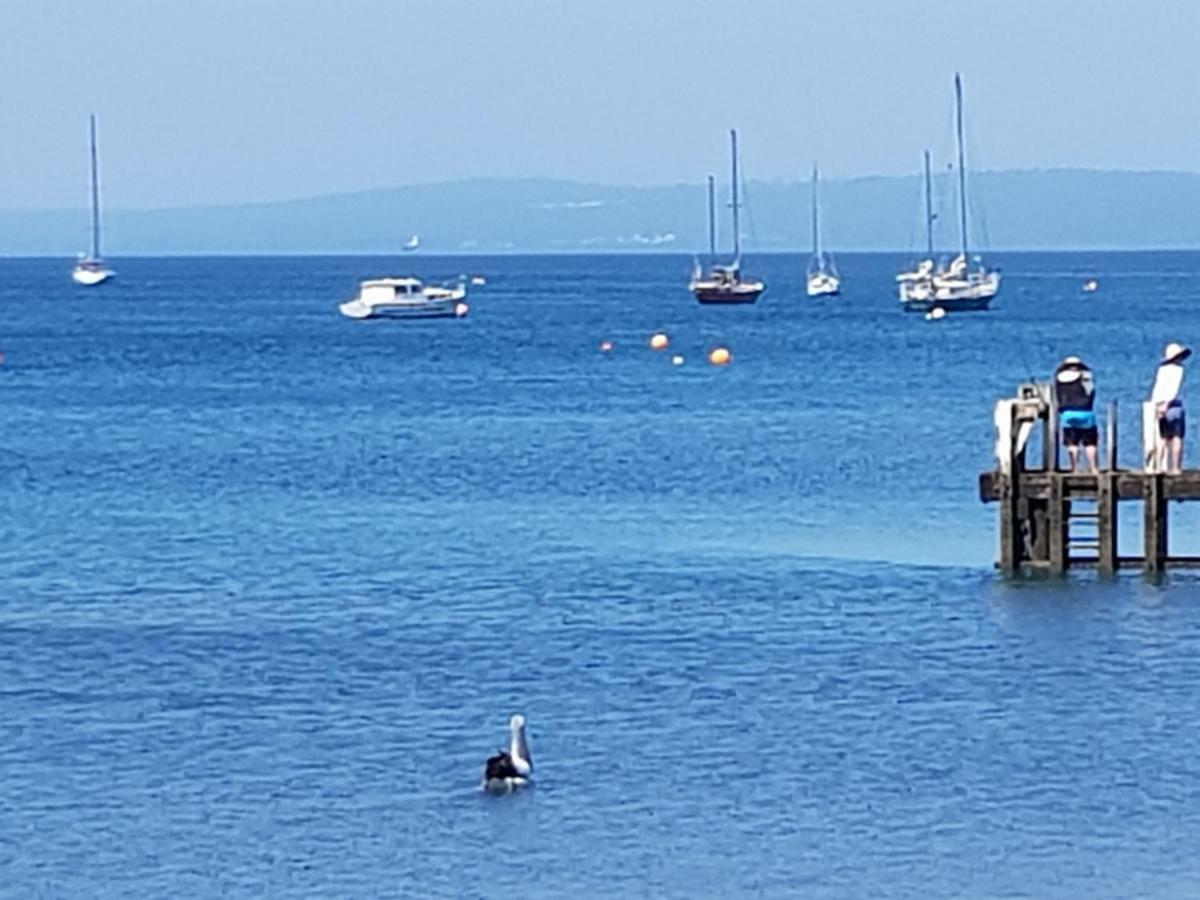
<point x="1173" y="423"/>
<point x="1079" y="427"/>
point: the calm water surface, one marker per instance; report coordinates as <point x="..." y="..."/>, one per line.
<point x="272" y="582"/>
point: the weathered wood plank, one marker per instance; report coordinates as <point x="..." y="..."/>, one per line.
<point x="1056" y="528"/>
<point x="1011" y="547"/>
<point x="1154" y="524"/>
<point x="1106" y="525"/>
<point x="1129" y="485"/>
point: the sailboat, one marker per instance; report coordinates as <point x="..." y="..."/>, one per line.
<point x="413" y="243"/>
<point x="823" y="279"/>
<point x="724" y="284"/>
<point x="916" y="285"/>
<point x="90" y="269"/>
<point x="958" y="287"/>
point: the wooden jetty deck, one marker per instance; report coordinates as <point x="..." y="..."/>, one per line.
<point x="1050" y="520"/>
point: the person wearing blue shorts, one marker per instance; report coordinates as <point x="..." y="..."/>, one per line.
<point x="1167" y="397"/>
<point x="1075" y="396"/>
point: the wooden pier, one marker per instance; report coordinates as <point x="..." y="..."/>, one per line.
<point x="1050" y="520"/>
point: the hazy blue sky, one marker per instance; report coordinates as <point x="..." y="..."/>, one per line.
<point x="225" y="100"/>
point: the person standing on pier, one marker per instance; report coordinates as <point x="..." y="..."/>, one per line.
<point x="1167" y="397"/>
<point x="1075" y="395"/>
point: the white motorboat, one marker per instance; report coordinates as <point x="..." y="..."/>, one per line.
<point x="724" y="284"/>
<point x="822" y="279"/>
<point x="406" y="298"/>
<point x="966" y="283"/>
<point x="91" y="269"/>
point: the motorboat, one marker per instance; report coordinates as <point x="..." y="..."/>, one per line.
<point x="406" y="298"/>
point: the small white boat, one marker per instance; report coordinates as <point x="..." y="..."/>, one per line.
<point x="413" y="243"/>
<point x="405" y="298"/>
<point x="91" y="270"/>
<point x="823" y="284"/>
<point x="822" y="279"/>
<point x="1091" y="286"/>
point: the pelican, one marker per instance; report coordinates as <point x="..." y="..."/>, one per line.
<point x="509" y="769"/>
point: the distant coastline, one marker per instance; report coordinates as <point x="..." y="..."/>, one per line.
<point x="1026" y="210"/>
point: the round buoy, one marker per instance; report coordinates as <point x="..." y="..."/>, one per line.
<point x="677" y="360"/>
<point x="606" y="346"/>
<point x="934" y="314"/>
<point x="659" y="341"/>
<point x="720" y="356"/>
<point x="461" y="309"/>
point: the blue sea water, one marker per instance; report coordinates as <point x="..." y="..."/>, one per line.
<point x="272" y="581"/>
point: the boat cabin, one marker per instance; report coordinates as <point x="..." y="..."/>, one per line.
<point x="382" y="290"/>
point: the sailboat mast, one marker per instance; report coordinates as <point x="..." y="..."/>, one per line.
<point x="816" y="239"/>
<point x="962" y="170"/>
<point x="95" y="193"/>
<point x="712" y="218"/>
<point x="928" y="209"/>
<point x="737" y="236"/>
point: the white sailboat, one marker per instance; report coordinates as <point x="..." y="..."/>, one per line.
<point x="822" y="279"/>
<point x="960" y="286"/>
<point x="91" y="269"/>
<point x="917" y="283"/>
<point x="413" y="243"/>
<point x="724" y="284"/>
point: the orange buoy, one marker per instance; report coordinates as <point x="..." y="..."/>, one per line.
<point x="659" y="341"/>
<point x="720" y="356"/>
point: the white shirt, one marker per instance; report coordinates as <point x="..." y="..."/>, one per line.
<point x="1167" y="383"/>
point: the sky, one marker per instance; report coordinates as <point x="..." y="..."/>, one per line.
<point x="224" y="101"/>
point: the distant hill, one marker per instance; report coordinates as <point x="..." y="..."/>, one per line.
<point x="1043" y="209"/>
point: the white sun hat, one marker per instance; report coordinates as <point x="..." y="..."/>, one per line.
<point x="1175" y="353"/>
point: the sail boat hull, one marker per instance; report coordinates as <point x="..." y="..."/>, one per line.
<point x="89" y="276"/>
<point x="728" y="295"/>
<point x="823" y="284"/>
<point x="973" y="293"/>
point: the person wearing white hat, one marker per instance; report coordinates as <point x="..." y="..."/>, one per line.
<point x="1075" y="397"/>
<point x="1166" y="395"/>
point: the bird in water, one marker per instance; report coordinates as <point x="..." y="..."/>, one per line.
<point x="509" y="769"/>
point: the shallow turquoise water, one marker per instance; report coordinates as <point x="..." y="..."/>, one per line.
<point x="272" y="582"/>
